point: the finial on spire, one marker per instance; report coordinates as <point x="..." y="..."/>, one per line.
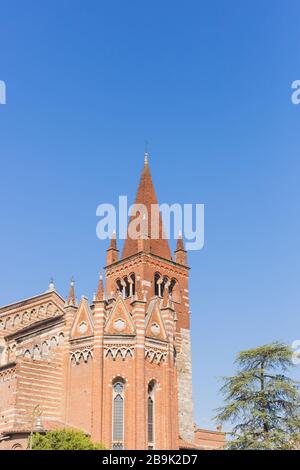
<point x="71" y="297"/>
<point x="51" y="285"/>
<point x="146" y="154"/>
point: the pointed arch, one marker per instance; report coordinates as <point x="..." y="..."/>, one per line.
<point x="151" y="414"/>
<point x="118" y="406"/>
<point x="175" y="290"/>
<point x="157" y="283"/>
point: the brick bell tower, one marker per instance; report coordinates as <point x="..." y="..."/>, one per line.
<point x="147" y="348"/>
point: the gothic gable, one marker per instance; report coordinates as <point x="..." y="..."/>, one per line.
<point x="155" y="327"/>
<point x="119" y="321"/>
<point x="83" y="321"/>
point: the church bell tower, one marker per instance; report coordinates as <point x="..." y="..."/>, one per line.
<point x="151" y="287"/>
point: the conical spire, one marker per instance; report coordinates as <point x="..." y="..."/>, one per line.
<point x="112" y="253"/>
<point x="71" y="297"/>
<point x="180" y="245"/>
<point x="113" y="242"/>
<point x="180" y="253"/>
<point x="146" y="196"/>
<point x="100" y="291"/>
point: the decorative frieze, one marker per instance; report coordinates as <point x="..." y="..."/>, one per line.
<point x="122" y="351"/>
<point x="155" y="355"/>
<point x="8" y="374"/>
<point x="14" y="321"/>
<point x="42" y="350"/>
<point x="81" y="354"/>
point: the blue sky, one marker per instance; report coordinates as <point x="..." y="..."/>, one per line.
<point x="208" y="84"/>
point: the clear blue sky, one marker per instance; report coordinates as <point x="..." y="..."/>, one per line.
<point x="207" y="83"/>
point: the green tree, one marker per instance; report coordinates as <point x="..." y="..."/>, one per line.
<point x="261" y="402"/>
<point x="64" y="439"/>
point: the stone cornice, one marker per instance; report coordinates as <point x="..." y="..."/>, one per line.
<point x="142" y="254"/>
<point x="9" y="365"/>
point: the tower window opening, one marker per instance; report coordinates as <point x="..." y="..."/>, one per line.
<point x="174" y="291"/>
<point x="132" y="285"/>
<point x="150" y="409"/>
<point x="118" y="416"/>
<point x="126" y="286"/>
<point x="119" y="285"/>
<point x="165" y="285"/>
<point x="161" y="283"/>
<point x="156" y="284"/>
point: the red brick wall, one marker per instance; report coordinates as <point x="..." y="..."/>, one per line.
<point x="8" y="386"/>
<point x="39" y="383"/>
<point x="80" y="392"/>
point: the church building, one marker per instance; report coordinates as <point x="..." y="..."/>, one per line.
<point x="118" y="368"/>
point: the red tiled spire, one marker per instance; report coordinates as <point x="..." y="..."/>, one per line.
<point x="113" y="242"/>
<point x="112" y="253"/>
<point x="71" y="298"/>
<point x="100" y="292"/>
<point x="180" y="253"/>
<point x="146" y="195"/>
<point x="180" y="245"/>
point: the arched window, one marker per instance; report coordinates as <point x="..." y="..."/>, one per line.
<point x="131" y="284"/>
<point x="150" y="407"/>
<point x="126" y="286"/>
<point x="157" y="284"/>
<point x="118" y="415"/>
<point x="165" y="285"/>
<point x="175" y="291"/>
<point x="119" y="285"/>
<point x="162" y="284"/>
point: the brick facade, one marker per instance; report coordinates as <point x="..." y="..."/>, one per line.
<point x="66" y="358"/>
